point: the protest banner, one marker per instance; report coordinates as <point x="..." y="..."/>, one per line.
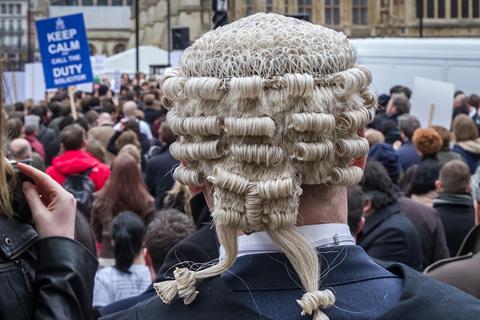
<point x="64" y="50"/>
<point x="432" y="102"/>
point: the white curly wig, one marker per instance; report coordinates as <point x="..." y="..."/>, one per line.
<point x="264" y="105"/>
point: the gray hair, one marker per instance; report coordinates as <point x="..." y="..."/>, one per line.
<point x="408" y="124"/>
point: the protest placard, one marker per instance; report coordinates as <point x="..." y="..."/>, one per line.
<point x="432" y="102"/>
<point x="64" y="51"/>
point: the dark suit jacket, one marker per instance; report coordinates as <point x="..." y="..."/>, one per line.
<point x="158" y="175"/>
<point x="264" y="286"/>
<point x="429" y="228"/>
<point x="388" y="235"/>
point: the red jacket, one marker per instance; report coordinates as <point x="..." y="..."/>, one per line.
<point x="78" y="161"/>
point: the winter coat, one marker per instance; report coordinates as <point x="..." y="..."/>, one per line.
<point x="470" y="152"/>
<point x="75" y="162"/>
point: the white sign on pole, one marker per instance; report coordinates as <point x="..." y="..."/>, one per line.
<point x="34" y="82"/>
<point x="432" y="102"/>
<point x="98" y="65"/>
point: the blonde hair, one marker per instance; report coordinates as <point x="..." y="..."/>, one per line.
<point x="7" y="179"/>
<point x="269" y="111"/>
<point x="132" y="150"/>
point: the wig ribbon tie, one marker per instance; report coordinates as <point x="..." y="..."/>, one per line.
<point x="312" y="301"/>
<point x="183" y="285"/>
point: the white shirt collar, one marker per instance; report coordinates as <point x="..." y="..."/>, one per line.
<point x="319" y="235"/>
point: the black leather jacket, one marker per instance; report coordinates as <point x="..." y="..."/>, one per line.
<point x="50" y="278"/>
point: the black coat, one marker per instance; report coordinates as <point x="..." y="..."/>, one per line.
<point x="388" y="235"/>
<point x="264" y="286"/>
<point x="429" y="228"/>
<point x="158" y="175"/>
<point x="50" y="142"/>
<point x="458" y="217"/>
<point x="51" y="278"/>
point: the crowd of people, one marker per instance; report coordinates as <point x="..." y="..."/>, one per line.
<point x="417" y="204"/>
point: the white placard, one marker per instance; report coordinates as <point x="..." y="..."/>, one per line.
<point x="98" y="65"/>
<point x="13" y="87"/>
<point x="432" y="102"/>
<point x="34" y="82"/>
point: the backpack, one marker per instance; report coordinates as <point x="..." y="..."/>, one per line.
<point x="82" y="188"/>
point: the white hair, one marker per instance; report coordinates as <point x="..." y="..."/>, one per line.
<point x="266" y="104"/>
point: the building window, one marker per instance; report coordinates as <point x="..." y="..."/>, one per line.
<point x="117" y="2"/>
<point x="19" y="25"/>
<point x="102" y="2"/>
<point x="360" y="12"/>
<point x="4" y="8"/>
<point x="19" y="9"/>
<point x="305" y="7"/>
<point x="10" y="25"/>
<point x="10" y="9"/>
<point x="441" y="9"/>
<point x="2" y="26"/>
<point x="269" y="5"/>
<point x="93" y="50"/>
<point x="129" y="2"/>
<point x="476" y="8"/>
<point x="120" y="47"/>
<point x="332" y="12"/>
<point x="87" y="3"/>
<point x="454" y="8"/>
<point x="249" y="7"/>
<point x="464" y="8"/>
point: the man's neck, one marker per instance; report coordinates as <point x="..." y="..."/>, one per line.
<point x="323" y="204"/>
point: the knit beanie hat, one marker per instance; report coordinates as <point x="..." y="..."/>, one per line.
<point x="388" y="157"/>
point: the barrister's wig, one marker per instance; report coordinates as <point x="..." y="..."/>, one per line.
<point x="264" y="105"/>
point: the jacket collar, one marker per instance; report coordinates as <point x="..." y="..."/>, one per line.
<point x="272" y="271"/>
<point x="15" y="237"/>
<point x="379" y="216"/>
<point x="457" y="199"/>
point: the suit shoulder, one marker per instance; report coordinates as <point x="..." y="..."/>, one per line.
<point x="447" y="261"/>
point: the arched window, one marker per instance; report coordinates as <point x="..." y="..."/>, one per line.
<point x="119" y="47"/>
<point x="93" y="50"/>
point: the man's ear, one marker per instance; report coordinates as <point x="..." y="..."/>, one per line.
<point x="147" y="258"/>
<point x="469" y="188"/>
<point x="367" y="207"/>
<point x="360" y="225"/>
<point x="438" y="186"/>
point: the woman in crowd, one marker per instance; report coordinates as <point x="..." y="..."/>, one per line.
<point x="129" y="276"/>
<point x="428" y="143"/>
<point x="124" y="191"/>
<point x="467" y="143"/>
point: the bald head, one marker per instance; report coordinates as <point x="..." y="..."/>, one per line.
<point x="129" y="109"/>
<point x="20" y="149"/>
<point x="104" y="118"/>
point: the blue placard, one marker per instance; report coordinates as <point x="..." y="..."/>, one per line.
<point x="64" y="50"/>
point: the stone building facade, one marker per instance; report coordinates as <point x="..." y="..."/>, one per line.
<point x="371" y="18"/>
<point x="192" y="14"/>
<point x="13" y="33"/>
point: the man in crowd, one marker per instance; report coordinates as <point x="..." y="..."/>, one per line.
<point x="130" y="112"/>
<point x="425" y="219"/>
<point x="455" y="203"/>
<point x="397" y="106"/>
<point x="158" y="175"/>
<point x="408" y="153"/>
<point x="263" y="179"/>
<point x="388" y="234"/>
<point x="75" y="160"/>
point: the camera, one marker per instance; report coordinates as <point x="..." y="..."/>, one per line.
<point x="21" y="209"/>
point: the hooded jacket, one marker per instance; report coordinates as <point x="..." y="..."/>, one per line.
<point x="78" y="161"/>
